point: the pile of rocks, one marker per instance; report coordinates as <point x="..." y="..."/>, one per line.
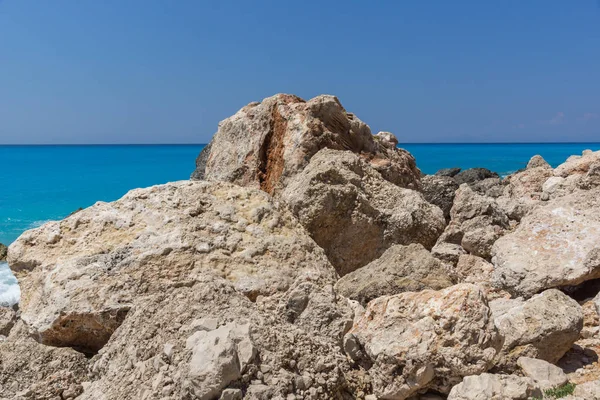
<point x="309" y="259"/>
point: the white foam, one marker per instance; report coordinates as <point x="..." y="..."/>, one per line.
<point x="10" y="293"/>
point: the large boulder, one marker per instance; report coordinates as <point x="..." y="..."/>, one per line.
<point x="495" y="387"/>
<point x="79" y="277"/>
<point x="135" y="281"/>
<point x="578" y="165"/>
<point x="264" y="144"/>
<point x="400" y="269"/>
<point x="424" y="340"/>
<point x="355" y="214"/>
<point x="555" y="245"/>
<point x="528" y="184"/>
<point x="543" y="327"/>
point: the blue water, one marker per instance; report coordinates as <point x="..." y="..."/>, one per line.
<point x="41" y="183"/>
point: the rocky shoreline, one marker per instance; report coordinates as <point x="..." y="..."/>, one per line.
<point x="310" y="259"/>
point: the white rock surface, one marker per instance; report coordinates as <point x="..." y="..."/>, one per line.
<point x="495" y="387"/>
<point x="545" y="375"/>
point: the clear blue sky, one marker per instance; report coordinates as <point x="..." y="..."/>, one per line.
<point x="125" y="71"/>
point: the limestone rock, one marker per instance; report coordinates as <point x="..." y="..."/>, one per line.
<point x="543" y="327"/>
<point x="265" y="144"/>
<point x="555" y="245"/>
<point x="430" y="339"/>
<point x="545" y="375"/>
<point x="591" y="179"/>
<point x="8" y="317"/>
<point x="529" y="183"/>
<point x="439" y="190"/>
<point x="80" y="277"/>
<point x="31" y="371"/>
<point x="400" y="269"/>
<point x="201" y="161"/>
<point x="474" y="175"/>
<point x="354" y="214"/>
<point x="475" y="270"/>
<point x="577" y="165"/>
<point x="448" y="252"/>
<point x="495" y="387"/>
<point x="538" y="161"/>
<point x="589" y="390"/>
<point x="3" y="252"/>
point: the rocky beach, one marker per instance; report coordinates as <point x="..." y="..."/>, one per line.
<point x="308" y="258"/>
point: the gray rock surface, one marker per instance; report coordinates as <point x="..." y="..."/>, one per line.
<point x="555" y="245"/>
<point x="8" y="317"/>
<point x="264" y="144"/>
<point x="543" y="327"/>
<point x="400" y="269"/>
<point x="424" y="340"/>
<point x="473" y="175"/>
<point x="201" y="161"/>
<point x="545" y="375"/>
<point x="439" y="190"/>
<point x="495" y="387"/>
<point x="355" y="214"/>
<point x="450" y="172"/>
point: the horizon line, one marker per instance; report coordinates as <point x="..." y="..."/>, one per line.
<point x="204" y="144"/>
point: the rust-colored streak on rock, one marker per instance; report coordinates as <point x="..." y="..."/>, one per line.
<point x="271" y="154"/>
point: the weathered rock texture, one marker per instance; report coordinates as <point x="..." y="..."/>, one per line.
<point x="439" y="190"/>
<point x="555" y="245"/>
<point x="185" y="290"/>
<point x="545" y="375"/>
<point x="8" y="317"/>
<point x="354" y="214"/>
<point x="3" y="252"/>
<point x="430" y="339"/>
<point x="400" y="269"/>
<point x="544" y="327"/>
<point x="495" y="387"/>
<point x="266" y="143"/>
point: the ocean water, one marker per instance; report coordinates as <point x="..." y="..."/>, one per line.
<point x="42" y="183"/>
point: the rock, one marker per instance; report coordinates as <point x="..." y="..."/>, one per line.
<point x="8" y="317"/>
<point x="474" y="175"/>
<point x="528" y="184"/>
<point x="495" y="387"/>
<point x="475" y="270"/>
<point x="425" y="340"/>
<point x="33" y="371"/>
<point x="543" y="327"/>
<point x="545" y="375"/>
<point x="231" y="394"/>
<point x="80" y="277"/>
<point x="491" y="187"/>
<point x="400" y="269"/>
<point x="265" y="144"/>
<point x="538" y="161"/>
<point x="448" y="252"/>
<point x="555" y="245"/>
<point x="588" y="390"/>
<point x="439" y="190"/>
<point x="476" y="222"/>
<point x="201" y="161"/>
<point x="3" y="252"/>
<point x="354" y="214"/>
<point x="449" y="172"/>
<point x="577" y="165"/>
<point x="591" y="179"/>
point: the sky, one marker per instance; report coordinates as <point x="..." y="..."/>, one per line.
<point x="132" y="71"/>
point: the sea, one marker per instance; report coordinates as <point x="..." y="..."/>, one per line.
<point x="44" y="183"/>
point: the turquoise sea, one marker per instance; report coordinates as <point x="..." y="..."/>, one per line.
<point x="41" y="183"/>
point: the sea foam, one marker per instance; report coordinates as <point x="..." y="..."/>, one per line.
<point x="10" y="292"/>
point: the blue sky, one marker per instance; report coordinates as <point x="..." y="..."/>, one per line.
<point x="128" y="71"/>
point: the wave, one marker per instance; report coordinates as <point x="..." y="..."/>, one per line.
<point x="10" y="293"/>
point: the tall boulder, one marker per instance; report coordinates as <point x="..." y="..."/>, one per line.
<point x="424" y="340"/>
<point x="265" y="144"/>
<point x="555" y="245"/>
<point x="355" y="214"/>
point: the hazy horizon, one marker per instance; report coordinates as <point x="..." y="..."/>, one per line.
<point x="149" y="72"/>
